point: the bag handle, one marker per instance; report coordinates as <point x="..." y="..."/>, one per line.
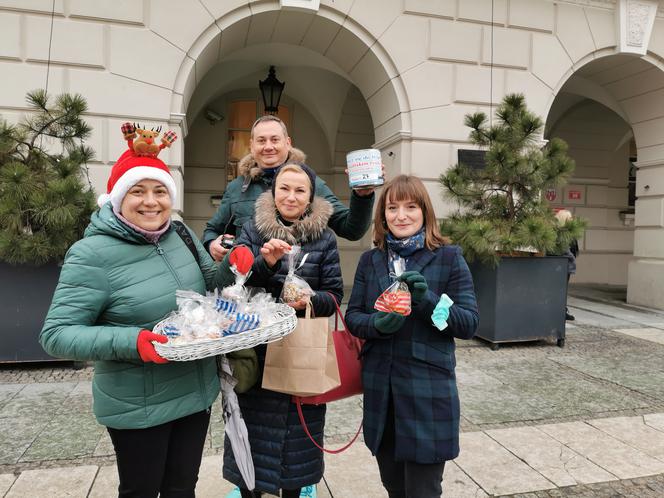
<point x="306" y="430"/>
<point x="337" y="316"/>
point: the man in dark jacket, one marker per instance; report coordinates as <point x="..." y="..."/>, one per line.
<point x="270" y="148"/>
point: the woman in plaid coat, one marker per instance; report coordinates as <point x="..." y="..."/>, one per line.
<point x="411" y="403"/>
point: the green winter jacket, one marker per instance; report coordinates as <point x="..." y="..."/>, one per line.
<point x="113" y="284"/>
<point x="237" y="204"/>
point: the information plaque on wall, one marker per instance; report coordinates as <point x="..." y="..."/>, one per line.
<point x="474" y="159"/>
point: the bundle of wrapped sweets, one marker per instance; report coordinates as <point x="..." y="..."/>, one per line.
<point x="235" y="310"/>
<point x="396" y="298"/>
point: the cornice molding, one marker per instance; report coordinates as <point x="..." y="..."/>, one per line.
<point x="605" y="4"/>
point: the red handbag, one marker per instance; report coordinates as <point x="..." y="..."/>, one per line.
<point x="347" y="348"/>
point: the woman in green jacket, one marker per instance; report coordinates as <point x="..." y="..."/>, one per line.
<point x="116" y="284"/>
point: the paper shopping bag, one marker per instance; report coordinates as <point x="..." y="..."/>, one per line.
<point x="304" y="363"/>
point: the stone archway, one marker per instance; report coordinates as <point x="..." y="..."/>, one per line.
<point x="628" y="89"/>
<point x="339" y="78"/>
<point x="326" y="39"/>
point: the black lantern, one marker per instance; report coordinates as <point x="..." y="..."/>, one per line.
<point x="271" y="89"/>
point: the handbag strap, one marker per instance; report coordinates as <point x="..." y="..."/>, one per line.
<point x="338" y="315"/>
<point x="300" y="413"/>
<point x="306" y="430"/>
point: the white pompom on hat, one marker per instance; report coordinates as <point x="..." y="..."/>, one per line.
<point x="130" y="169"/>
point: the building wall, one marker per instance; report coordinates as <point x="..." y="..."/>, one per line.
<point x="419" y="65"/>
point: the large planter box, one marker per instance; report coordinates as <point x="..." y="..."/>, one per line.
<point x="522" y="299"/>
<point x="25" y="296"/>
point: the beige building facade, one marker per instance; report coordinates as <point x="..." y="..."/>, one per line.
<point x="398" y="75"/>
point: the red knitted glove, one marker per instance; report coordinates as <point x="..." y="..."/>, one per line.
<point x="242" y="258"/>
<point x="145" y="348"/>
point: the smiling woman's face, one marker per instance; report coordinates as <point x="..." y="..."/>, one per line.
<point x="403" y="218"/>
<point x="291" y="194"/>
<point x="147" y="205"/>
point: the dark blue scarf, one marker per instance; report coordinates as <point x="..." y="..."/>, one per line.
<point x="403" y="248"/>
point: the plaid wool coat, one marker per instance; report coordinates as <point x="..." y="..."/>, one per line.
<point x="416" y="364"/>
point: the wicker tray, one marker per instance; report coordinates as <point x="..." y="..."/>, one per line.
<point x="195" y="350"/>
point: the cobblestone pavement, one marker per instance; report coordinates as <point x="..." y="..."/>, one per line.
<point x="610" y="370"/>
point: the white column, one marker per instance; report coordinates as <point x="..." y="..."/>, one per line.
<point x="645" y="285"/>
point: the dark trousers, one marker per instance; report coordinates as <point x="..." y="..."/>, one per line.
<point x="162" y="459"/>
<point x="406" y="479"/>
<point x="285" y="493"/>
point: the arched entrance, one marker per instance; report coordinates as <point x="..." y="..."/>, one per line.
<point x="340" y="95"/>
<point x="611" y="112"/>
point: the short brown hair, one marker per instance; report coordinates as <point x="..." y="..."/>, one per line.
<point x="407" y="188"/>
<point x="266" y="119"/>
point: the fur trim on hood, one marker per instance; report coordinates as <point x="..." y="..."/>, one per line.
<point x="248" y="167"/>
<point x="304" y="230"/>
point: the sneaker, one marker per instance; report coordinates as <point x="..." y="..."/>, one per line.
<point x="234" y="494"/>
<point x="568" y="317"/>
<point x="308" y="492"/>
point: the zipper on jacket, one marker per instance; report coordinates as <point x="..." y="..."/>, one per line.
<point x="161" y="252"/>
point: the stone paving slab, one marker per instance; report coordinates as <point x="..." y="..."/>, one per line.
<point x="614" y="456"/>
<point x="210" y="483"/>
<point x="627" y="314"/>
<point x="37" y="399"/>
<point x="629" y="372"/>
<point x="654" y="420"/>
<point x="634" y="432"/>
<point x="106" y="483"/>
<point x="8" y="391"/>
<point x="556" y="462"/>
<point x="584" y="317"/>
<point x="539" y="389"/>
<point x="70" y="482"/>
<point x="495" y="469"/>
<point x="6" y="481"/>
<point x="67" y="436"/>
<point x="79" y="399"/>
<point x="17" y="434"/>
<point x="647" y="334"/>
<point x="104" y="446"/>
<point x="457" y="484"/>
<point x="354" y="469"/>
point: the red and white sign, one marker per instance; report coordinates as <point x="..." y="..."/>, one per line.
<point x="551" y="194"/>
<point x="574" y="195"/>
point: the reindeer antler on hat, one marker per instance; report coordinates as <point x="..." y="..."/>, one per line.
<point x="145" y="144"/>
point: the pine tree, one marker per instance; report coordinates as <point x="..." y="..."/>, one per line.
<point x="502" y="207"/>
<point x="45" y="196"/>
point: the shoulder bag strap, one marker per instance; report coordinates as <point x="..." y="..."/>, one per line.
<point x="306" y="430"/>
<point x="300" y="414"/>
<point x="186" y="238"/>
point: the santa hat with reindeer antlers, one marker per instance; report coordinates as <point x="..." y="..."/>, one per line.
<point x="139" y="162"/>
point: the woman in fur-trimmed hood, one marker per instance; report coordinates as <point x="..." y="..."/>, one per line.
<point x="284" y="457"/>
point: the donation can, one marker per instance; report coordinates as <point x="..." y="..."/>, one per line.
<point x="365" y="168"/>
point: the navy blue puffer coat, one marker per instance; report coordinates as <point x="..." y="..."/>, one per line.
<point x="283" y="455"/>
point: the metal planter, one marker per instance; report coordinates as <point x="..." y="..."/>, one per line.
<point x="522" y="299"/>
<point x="25" y="296"/>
